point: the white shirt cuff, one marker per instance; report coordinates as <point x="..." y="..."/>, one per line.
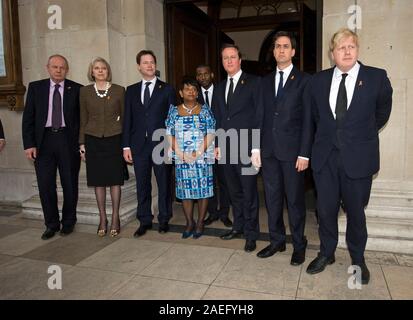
<point x="304" y="158"/>
<point x="255" y="150"/>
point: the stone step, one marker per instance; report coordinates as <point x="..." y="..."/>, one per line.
<point x="402" y="213"/>
<point x="391" y="198"/>
<point x="385" y="234"/>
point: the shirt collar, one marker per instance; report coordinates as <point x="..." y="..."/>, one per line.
<point x="61" y="84"/>
<point x="286" y="71"/>
<point x="210" y="89"/>
<point x="352" y="73"/>
<point x="151" y="81"/>
<point x="236" y="76"/>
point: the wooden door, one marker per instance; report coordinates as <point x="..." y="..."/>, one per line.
<point x="191" y="41"/>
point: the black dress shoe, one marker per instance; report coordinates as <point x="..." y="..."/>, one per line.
<point x="49" y="233"/>
<point x="209" y="220"/>
<point x="66" y="230"/>
<point x="227" y="222"/>
<point x="142" y="230"/>
<point x="365" y="273"/>
<point x="232" y="234"/>
<point x="298" y="258"/>
<point x="270" y="250"/>
<point x="163" y="227"/>
<point x="250" y="245"/>
<point x="319" y="264"/>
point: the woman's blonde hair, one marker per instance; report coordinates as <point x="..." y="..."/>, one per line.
<point x="90" y="69"/>
<point x="340" y="34"/>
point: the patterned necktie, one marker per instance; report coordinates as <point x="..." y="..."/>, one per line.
<point x="280" y="85"/>
<point x="341" y="104"/>
<point x="206" y="98"/>
<point x="57" y="108"/>
<point x="230" y="92"/>
<point x="146" y="95"/>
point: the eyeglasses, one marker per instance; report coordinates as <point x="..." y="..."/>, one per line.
<point x="346" y="48"/>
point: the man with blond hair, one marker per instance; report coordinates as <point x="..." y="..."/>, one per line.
<point x="346" y="106"/>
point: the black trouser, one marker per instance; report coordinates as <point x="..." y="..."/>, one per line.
<point x="332" y="185"/>
<point x="55" y="154"/>
<point x="218" y="205"/>
<point x="143" y="164"/>
<point x="282" y="179"/>
<point x="244" y="200"/>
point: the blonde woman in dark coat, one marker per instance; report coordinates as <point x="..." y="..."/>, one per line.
<point x="101" y="116"/>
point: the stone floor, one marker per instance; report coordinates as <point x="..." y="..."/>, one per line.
<point x="167" y="267"/>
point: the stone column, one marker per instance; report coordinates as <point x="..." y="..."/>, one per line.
<point x="385" y="42"/>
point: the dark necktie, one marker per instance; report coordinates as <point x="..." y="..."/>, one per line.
<point x="146" y="95"/>
<point x="206" y="98"/>
<point x="230" y="92"/>
<point x="341" y="104"/>
<point x="280" y="85"/>
<point x="57" y="108"/>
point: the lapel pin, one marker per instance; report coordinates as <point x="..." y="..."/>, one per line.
<point x="242" y="81"/>
<point x="68" y="88"/>
<point x="292" y="77"/>
<point x="108" y="98"/>
<point x="160" y="86"/>
<point x="360" y="83"/>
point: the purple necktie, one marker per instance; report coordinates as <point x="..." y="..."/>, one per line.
<point x="57" y="108"/>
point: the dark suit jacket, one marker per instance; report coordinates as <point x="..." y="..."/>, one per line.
<point x="282" y="118"/>
<point x="1" y="131"/>
<point x="139" y="120"/>
<point x="243" y="113"/>
<point x="358" y="138"/>
<point x="36" y="110"/>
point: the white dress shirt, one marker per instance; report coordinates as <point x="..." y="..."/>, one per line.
<point x="151" y="87"/>
<point x="210" y="92"/>
<point x="235" y="80"/>
<point x="350" y="85"/>
<point x="286" y="74"/>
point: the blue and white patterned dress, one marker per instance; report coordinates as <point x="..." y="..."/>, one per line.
<point x="195" y="180"/>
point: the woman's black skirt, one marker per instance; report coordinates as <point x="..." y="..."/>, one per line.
<point x="104" y="161"/>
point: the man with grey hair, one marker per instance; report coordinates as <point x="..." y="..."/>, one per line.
<point x="346" y="106"/>
<point x="50" y="132"/>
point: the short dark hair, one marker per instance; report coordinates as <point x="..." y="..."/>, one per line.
<point x="143" y="53"/>
<point x="189" y="81"/>
<point x="203" y="66"/>
<point x="233" y="46"/>
<point x="287" y="34"/>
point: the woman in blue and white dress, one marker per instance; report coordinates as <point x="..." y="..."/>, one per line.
<point x="190" y="129"/>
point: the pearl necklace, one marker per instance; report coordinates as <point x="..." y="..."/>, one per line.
<point x="102" y="95"/>
<point x="190" y="110"/>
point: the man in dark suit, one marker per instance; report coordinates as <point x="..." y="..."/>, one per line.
<point x="235" y="110"/>
<point x="218" y="205"/>
<point x="2" y="138"/>
<point x="348" y="104"/>
<point x="283" y="153"/>
<point x="146" y="108"/>
<point x="51" y="139"/>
